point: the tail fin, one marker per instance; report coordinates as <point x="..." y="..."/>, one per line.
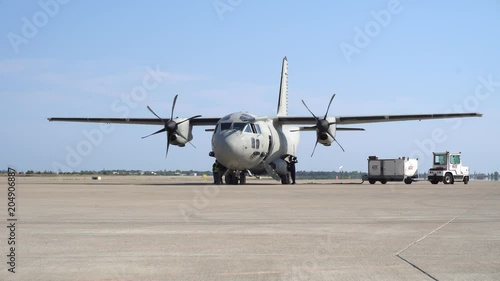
<point x="283" y="97"/>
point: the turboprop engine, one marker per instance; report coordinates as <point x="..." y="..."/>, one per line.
<point x="326" y="136"/>
<point x="325" y="128"/>
<point x="179" y="131"/>
<point x="183" y="134"/>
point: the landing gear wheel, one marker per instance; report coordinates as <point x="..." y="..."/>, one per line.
<point x="466" y="180"/>
<point x="448" y="179"/>
<point x="383" y="181"/>
<point x="408" y="180"/>
<point x="285" y="179"/>
<point x="372" y="181"/>
<point x="243" y="178"/>
<point x="231" y="179"/>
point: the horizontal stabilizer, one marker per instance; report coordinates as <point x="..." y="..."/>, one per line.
<point x="350" y="129"/>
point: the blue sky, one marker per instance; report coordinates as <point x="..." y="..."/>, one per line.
<point x="81" y="58"/>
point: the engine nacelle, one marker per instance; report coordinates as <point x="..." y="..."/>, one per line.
<point x="280" y="166"/>
<point x="324" y="138"/>
<point x="184" y="129"/>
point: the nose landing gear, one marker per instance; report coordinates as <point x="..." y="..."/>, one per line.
<point x="235" y="177"/>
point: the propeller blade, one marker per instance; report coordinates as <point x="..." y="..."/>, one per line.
<point x="339" y="145"/>
<point x="310" y="111"/>
<point x="168" y="145"/>
<point x="330" y="134"/>
<point x="180" y="135"/>
<point x="328" y="108"/>
<point x="189" y="119"/>
<point x="154" y="113"/>
<point x="314" y="149"/>
<point x="335" y="140"/>
<point x="173" y="107"/>
<point x="157" y="132"/>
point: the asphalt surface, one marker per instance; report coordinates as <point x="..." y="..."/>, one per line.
<point x="164" y="228"/>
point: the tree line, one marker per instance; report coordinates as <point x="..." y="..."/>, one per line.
<point x="300" y="174"/>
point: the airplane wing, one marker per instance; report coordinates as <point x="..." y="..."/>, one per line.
<point x="348" y="120"/>
<point x="200" y="121"/>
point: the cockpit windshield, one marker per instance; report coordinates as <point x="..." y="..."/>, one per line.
<point x="234" y="126"/>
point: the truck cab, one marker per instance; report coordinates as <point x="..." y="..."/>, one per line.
<point x="447" y="168"/>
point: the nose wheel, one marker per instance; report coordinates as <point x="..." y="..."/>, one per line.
<point x="233" y="177"/>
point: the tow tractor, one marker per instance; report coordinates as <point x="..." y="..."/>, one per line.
<point x="447" y="168"/>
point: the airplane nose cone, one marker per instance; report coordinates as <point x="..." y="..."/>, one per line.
<point x="228" y="149"/>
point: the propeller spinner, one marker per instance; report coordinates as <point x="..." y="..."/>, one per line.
<point x="171" y="126"/>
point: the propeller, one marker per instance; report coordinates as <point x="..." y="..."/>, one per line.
<point x="322" y="125"/>
<point x="171" y="126"/>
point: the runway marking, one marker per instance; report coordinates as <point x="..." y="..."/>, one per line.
<point x="398" y="254"/>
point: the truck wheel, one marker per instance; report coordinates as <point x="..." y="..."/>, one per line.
<point x="372" y="181"/>
<point x="466" y="180"/>
<point x="408" y="180"/>
<point x="434" y="181"/>
<point x="448" y="179"/>
<point x="384" y="181"/>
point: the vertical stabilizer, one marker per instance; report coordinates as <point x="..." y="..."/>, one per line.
<point x="283" y="97"/>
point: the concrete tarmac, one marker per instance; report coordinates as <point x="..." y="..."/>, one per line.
<point x="183" y="228"/>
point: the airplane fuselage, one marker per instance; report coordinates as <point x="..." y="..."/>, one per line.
<point x="242" y="141"/>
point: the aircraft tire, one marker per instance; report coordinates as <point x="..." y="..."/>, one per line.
<point x="285" y="179"/>
<point x="231" y="179"/>
<point x="243" y="178"/>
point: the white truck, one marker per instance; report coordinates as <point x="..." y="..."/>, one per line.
<point x="384" y="170"/>
<point x="447" y="168"/>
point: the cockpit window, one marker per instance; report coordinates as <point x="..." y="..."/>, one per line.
<point x="238" y="126"/>
<point x="225" y="126"/>
<point x="234" y="126"/>
<point x="248" y="129"/>
<point x="257" y="129"/>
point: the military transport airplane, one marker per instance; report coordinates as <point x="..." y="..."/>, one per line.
<point x="246" y="144"/>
